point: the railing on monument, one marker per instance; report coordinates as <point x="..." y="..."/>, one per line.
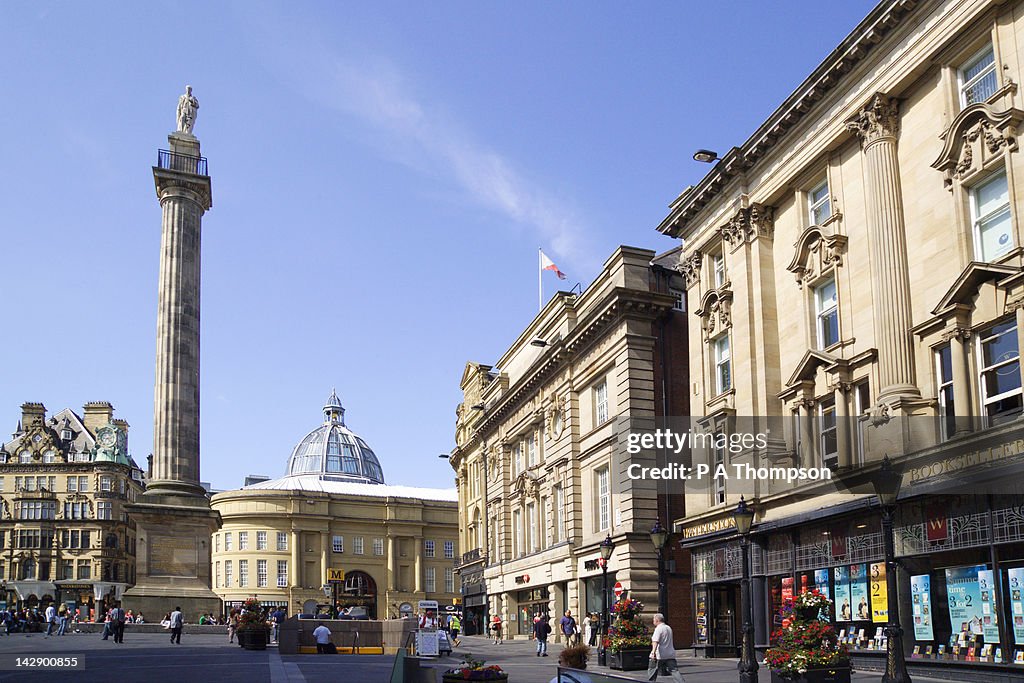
<point x="181" y="162"/>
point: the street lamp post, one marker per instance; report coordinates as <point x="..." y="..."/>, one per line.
<point x="744" y="517"/>
<point x="887" y="484"/>
<point x="659" y="537"/>
<point x="606" y="547"/>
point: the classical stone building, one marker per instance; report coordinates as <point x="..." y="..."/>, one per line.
<point x="333" y="511"/>
<point x="541" y="450"/>
<point x="854" y="269"/>
<point x="64" y="482"/>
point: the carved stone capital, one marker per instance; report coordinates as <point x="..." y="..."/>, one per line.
<point x="877" y="120"/>
<point x="962" y="333"/>
<point x="689" y="267"/>
<point x="749" y="223"/>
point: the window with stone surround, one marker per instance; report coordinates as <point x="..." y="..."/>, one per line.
<point x="261" y="573"/>
<point x="216" y="575"/>
<point x="723" y="364"/>
<point x="717" y="269"/>
<point x="517" y="533"/>
<point x="261" y="540"/>
<point x="1000" y="381"/>
<point x="944" y="382"/>
<point x="991" y="218"/>
<point x="243" y="540"/>
<point x="828" y="441"/>
<point x="559" y="514"/>
<point x="449" y="550"/>
<point x="826" y="313"/>
<point x="449" y="580"/>
<point x="357" y="545"/>
<point x="227" y="574"/>
<point x="428" y="548"/>
<point x="430" y="582"/>
<point x="282" y="573"/>
<point x="228" y="547"/>
<point x="819" y="203"/>
<point x="603" y="499"/>
<point x="243" y="573"/>
<point x="976" y="78"/>
<point x="378" y="546"/>
<point x="338" y="544"/>
<point x="282" y="541"/>
<point x="601" y="403"/>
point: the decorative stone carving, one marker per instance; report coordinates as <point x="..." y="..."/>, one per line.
<point x="689" y="267"/>
<point x="817" y="250"/>
<point x="715" y="309"/>
<point x="877" y="120"/>
<point x="975" y="136"/>
<point x="757" y="220"/>
<point x="963" y="333"/>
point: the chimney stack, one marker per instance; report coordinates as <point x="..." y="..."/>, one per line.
<point x="32" y="415"/>
<point x="96" y="415"/>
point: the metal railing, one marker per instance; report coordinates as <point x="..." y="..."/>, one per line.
<point x="181" y="162"/>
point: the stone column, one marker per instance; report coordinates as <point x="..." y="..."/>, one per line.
<point x="185" y="196"/>
<point x="877" y="125"/>
<point x="805" y="458"/>
<point x="173" y="517"/>
<point x="961" y="386"/>
<point x="296" y="559"/>
<point x="418" y="571"/>
<point x="390" y="564"/>
<point x="842" y="426"/>
<point x="325" y="558"/>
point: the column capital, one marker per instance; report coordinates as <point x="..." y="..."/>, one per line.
<point x="877" y="120"/>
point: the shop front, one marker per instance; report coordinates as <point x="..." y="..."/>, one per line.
<point x="474" y="602"/>
<point x="79" y="598"/>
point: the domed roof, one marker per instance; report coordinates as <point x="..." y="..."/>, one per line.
<point x="334" y="452"/>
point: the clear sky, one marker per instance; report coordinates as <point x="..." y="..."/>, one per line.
<point x="383" y="174"/>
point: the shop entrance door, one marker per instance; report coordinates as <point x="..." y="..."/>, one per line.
<point x="725" y="624"/>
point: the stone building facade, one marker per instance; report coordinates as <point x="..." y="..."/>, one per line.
<point x="541" y="458"/>
<point x="64" y="535"/>
<point x="333" y="511"/>
<point x="854" y="270"/>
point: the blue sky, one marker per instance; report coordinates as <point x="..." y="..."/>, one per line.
<point x="383" y="174"/>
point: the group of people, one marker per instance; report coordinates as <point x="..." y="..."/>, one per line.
<point x="273" y="619"/>
<point x="33" y="620"/>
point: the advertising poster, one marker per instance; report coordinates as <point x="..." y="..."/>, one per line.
<point x="787" y="590"/>
<point x="859" y="592"/>
<point x="844" y="603"/>
<point x="821" y="580"/>
<point x="964" y="595"/>
<point x="921" y="596"/>
<point x="1015" y="577"/>
<point x="989" y="613"/>
<point x="879" y="594"/>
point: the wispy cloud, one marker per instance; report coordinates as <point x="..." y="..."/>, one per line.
<point x="418" y="133"/>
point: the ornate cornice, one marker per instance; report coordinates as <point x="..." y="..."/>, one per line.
<point x="863" y="40"/>
<point x="878" y="120"/>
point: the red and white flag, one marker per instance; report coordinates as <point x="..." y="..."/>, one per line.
<point x="548" y="264"/>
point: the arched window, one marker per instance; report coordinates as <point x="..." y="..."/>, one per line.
<point x="360" y="583"/>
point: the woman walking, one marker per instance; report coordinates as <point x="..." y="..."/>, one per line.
<point x="232" y="625"/>
<point x="496" y="629"/>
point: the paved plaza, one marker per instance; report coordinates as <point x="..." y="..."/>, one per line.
<point x="150" y="658"/>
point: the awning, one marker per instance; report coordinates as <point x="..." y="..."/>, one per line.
<point x="37" y="588"/>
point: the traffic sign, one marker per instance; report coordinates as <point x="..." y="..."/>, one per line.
<point x="617" y="589"/>
<point x="335" y="575"/>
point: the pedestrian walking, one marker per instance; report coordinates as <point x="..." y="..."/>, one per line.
<point x="51" y="619"/>
<point x="455" y="625"/>
<point x="62" y="619"/>
<point x="541" y="630"/>
<point x="496" y="629"/>
<point x="232" y="625"/>
<point x="106" y="627"/>
<point x="569" y="629"/>
<point x="117" y="619"/>
<point x="277" y="618"/>
<point x="177" y="620"/>
<point x="663" y="652"/>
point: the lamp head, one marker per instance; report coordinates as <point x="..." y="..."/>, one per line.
<point x="887" y="483"/>
<point x="659" y="535"/>
<point x="744" y="517"/>
<point x="705" y="156"/>
<point x="606" y="547"/>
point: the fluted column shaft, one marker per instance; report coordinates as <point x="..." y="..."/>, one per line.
<point x="184" y="197"/>
<point x="878" y="127"/>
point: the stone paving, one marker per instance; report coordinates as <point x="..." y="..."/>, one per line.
<point x="151" y="658"/>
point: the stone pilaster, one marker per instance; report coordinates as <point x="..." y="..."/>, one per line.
<point x="877" y="125"/>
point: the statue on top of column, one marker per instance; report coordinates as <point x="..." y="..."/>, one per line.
<point x="188" y="106"/>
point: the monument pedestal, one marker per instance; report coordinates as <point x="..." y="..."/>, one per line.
<point x="173" y="557"/>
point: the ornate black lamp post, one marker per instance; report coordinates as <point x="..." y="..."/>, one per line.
<point x="744" y="517"/>
<point x="659" y="537"/>
<point x="606" y="547"/>
<point x="887" y="484"/>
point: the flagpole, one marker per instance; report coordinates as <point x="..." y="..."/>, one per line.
<point x="540" y="282"/>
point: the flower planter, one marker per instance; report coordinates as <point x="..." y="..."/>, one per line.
<point x="475" y="676"/>
<point x="835" y="674"/>
<point x="253" y="639"/>
<point x="629" y="660"/>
